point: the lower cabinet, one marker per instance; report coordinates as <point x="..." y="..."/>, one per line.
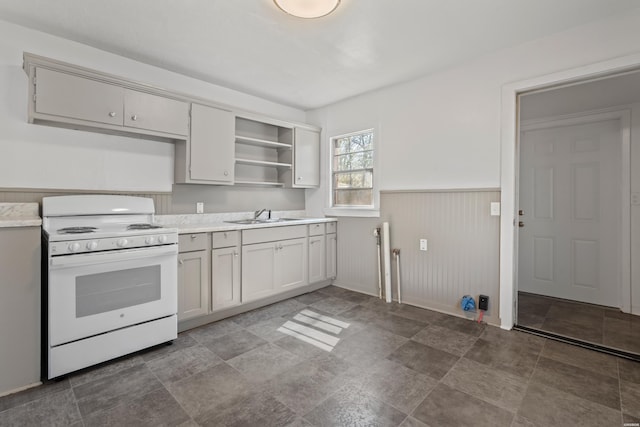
<point x="332" y="255"/>
<point x="225" y="278"/>
<point x="193" y="275"/>
<point x="317" y="259"/>
<point x="273" y="267"/>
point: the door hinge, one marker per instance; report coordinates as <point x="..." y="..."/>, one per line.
<point x="34" y="97"/>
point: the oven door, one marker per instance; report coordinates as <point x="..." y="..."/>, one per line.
<point x="90" y="294"/>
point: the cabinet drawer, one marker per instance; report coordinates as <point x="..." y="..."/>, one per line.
<point x="316" y="229"/>
<point x="272" y="234"/>
<point x="332" y="227"/>
<point x="192" y="242"/>
<point x="224" y="239"/>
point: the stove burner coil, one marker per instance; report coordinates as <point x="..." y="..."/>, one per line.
<point x="142" y="226"/>
<point x="77" y="230"/>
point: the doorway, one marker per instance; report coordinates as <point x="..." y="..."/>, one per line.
<point x="573" y="244"/>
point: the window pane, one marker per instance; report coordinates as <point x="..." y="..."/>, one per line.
<point x="360" y="179"/>
<point x="353" y="197"/>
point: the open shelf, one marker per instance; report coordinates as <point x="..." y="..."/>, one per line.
<point x="263" y="163"/>
<point x="258" y="142"/>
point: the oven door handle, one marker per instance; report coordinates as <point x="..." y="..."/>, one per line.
<point x="112" y="256"/>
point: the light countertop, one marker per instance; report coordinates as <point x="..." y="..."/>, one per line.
<point x="19" y="215"/>
<point x="207" y="227"/>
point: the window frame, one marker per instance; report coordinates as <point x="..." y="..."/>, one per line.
<point x="354" y="210"/>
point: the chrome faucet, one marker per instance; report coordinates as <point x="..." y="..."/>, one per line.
<point x="256" y="214"/>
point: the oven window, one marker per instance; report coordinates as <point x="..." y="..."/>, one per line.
<point x="113" y="290"/>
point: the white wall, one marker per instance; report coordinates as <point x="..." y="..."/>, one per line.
<point x="35" y="156"/>
<point x="443" y="131"/>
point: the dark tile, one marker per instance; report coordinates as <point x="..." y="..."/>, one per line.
<point x="264" y="362"/>
<point x="630" y="421"/>
<point x="368" y="345"/>
<point x="268" y="329"/>
<point x="630" y="393"/>
<point x="250" y="409"/>
<point x="333" y="305"/>
<point x="208" y="389"/>
<point x="581" y="383"/>
<point x="520" y="421"/>
<point x="530" y="320"/>
<point x="302" y="387"/>
<point x="299" y="422"/>
<point x="333" y="291"/>
<point x="234" y="344"/>
<point x="466" y="326"/>
<point x="579" y="314"/>
<point x="445" y="339"/>
<point x="311" y="297"/>
<point x="52" y="409"/>
<point x="424" y="359"/>
<point x="350" y="407"/>
<point x="355" y="297"/>
<point x="182" y="364"/>
<point x="615" y="313"/>
<point x="513" y="357"/>
<point x="300" y="348"/>
<point x="550" y="407"/>
<point x="214" y="330"/>
<point x="581" y="357"/>
<point x="501" y="337"/>
<point x="629" y="370"/>
<point x="33" y="393"/>
<point x="412" y="422"/>
<point x="559" y="326"/>
<point x="533" y="305"/>
<point x="269" y="312"/>
<point x="110" y="391"/>
<point x="399" y="325"/>
<point x="417" y="313"/>
<point x="400" y="387"/>
<point x="489" y="384"/>
<point x="104" y="370"/>
<point x="183" y="341"/>
<point x="157" y="408"/>
<point x="622" y="334"/>
<point x="446" y="406"/>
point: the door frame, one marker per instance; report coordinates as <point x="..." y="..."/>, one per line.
<point x="509" y="159"/>
<point x="623" y="115"/>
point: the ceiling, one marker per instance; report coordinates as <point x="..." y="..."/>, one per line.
<point x="251" y="46"/>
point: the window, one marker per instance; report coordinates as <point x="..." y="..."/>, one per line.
<point x="352" y="184"/>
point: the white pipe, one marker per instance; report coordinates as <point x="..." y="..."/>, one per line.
<point x="396" y="252"/>
<point x="387" y="261"/>
<point x="379" y="263"/>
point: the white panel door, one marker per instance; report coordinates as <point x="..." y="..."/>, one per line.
<point x="571" y="202"/>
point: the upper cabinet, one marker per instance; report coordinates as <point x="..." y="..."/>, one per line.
<point x="207" y="157"/>
<point x="61" y="95"/>
<point x="306" y="162"/>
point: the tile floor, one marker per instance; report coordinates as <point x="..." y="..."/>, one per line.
<point x="392" y="366"/>
<point x="587" y="322"/>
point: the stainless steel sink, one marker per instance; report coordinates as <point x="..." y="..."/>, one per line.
<point x="261" y="221"/>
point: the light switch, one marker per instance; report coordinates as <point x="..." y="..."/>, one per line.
<point x="199" y="207"/>
<point x="495" y="208"/>
<point x="423" y="244"/>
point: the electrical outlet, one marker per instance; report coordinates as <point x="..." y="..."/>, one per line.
<point x="199" y="207"/>
<point x="495" y="208"/>
<point x="483" y="302"/>
<point x="423" y="244"/>
<point x="635" y="199"/>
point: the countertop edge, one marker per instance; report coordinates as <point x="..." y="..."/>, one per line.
<point x="20" y="222"/>
<point x="224" y="226"/>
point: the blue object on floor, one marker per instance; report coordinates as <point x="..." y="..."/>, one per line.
<point x="468" y="303"/>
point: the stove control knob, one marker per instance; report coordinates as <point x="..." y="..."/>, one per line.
<point x="73" y="247"/>
<point x="122" y="243"/>
<point x="92" y="246"/>
<point x="150" y="240"/>
<point x="162" y="239"/>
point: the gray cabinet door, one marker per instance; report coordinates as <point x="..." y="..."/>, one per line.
<point x="212" y="149"/>
<point x="317" y="254"/>
<point x="225" y="278"/>
<point x="291" y="263"/>
<point x="74" y="97"/>
<point x="258" y="270"/>
<point x="193" y="284"/>
<point x="306" y="163"/>
<point x="332" y="255"/>
<point x="155" y="113"/>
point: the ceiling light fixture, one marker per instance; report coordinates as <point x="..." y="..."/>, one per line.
<point x="307" y="8"/>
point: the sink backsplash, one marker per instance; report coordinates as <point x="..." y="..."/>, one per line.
<point x="220" y="217"/>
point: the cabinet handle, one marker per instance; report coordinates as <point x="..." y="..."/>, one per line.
<point x="112" y="114"/>
<point x="193" y="236"/>
<point x="226" y="173"/>
<point x="235" y="253"/>
<point x="181" y="262"/>
<point x="225" y="234"/>
<point x="134" y="117"/>
<point x="299" y="178"/>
